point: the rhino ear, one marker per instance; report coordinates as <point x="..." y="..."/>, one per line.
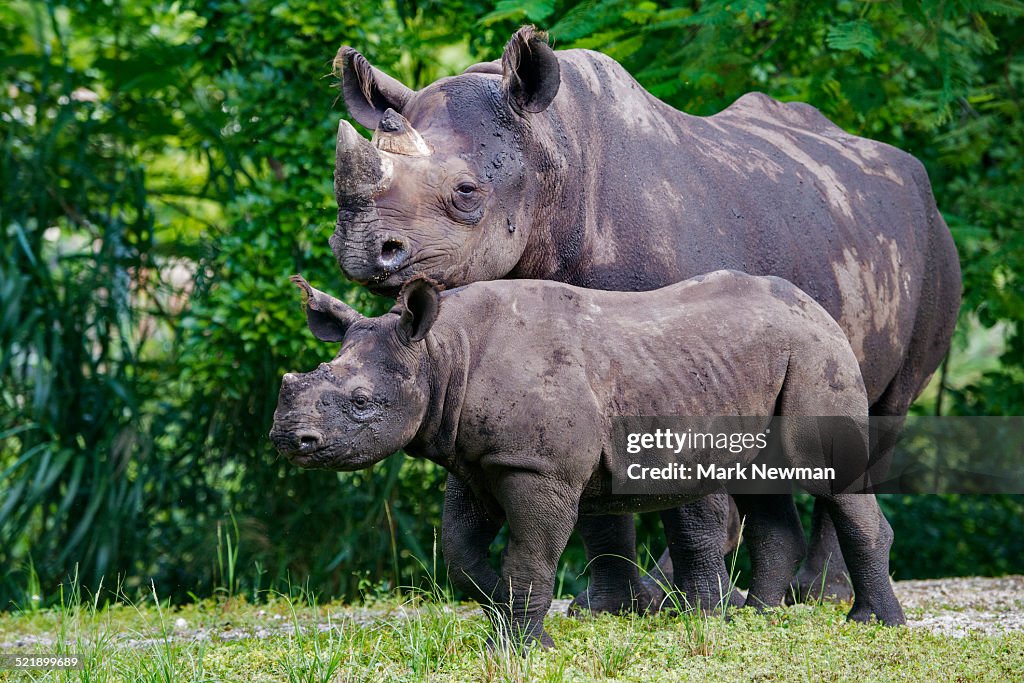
<point x="420" y="302"/>
<point x="530" y="73"/>
<point x="327" y="317"/>
<point x="368" y="91"/>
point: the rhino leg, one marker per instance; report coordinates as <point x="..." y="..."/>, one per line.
<point x="610" y="543"/>
<point x="541" y="517"/>
<point x="697" y="536"/>
<point x="866" y="537"/>
<point x="466" y="535"/>
<point x="775" y="541"/>
<point x="658" y="579"/>
<point x="824" y="575"/>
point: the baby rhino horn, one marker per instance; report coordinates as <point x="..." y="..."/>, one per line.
<point x="396" y="135"/>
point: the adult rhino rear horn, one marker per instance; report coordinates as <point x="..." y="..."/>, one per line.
<point x="396" y="135"/>
<point x="360" y="171"/>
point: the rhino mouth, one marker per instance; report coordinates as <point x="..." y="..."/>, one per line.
<point x="328" y="458"/>
<point x="387" y="274"/>
<point x="323" y="457"/>
<point x="389" y="282"/>
<point x="314" y="450"/>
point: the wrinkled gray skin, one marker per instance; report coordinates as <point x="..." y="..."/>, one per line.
<point x="559" y="166"/>
<point x="512" y="386"/>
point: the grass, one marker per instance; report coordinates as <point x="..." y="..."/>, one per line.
<point x="426" y="638"/>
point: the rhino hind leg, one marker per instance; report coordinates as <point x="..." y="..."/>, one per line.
<point x="659" y="578"/>
<point x="697" y="535"/>
<point x="824" y="577"/>
<point x="776" y="544"/>
<point x="615" y="586"/>
<point x="866" y="537"/>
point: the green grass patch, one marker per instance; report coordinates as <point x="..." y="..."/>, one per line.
<point x="426" y="639"/>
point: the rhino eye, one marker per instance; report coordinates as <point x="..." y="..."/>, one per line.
<point x="467" y="201"/>
<point x="360" y="401"/>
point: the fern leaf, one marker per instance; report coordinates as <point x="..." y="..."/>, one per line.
<point x="853" y="35"/>
<point x="530" y="10"/>
<point x="1009" y="8"/>
<point x="588" y="18"/>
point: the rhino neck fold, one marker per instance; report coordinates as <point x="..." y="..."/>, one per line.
<point x="447" y="361"/>
<point x="559" y="244"/>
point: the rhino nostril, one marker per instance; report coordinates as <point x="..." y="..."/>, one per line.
<point x="309" y="439"/>
<point x="392" y="253"/>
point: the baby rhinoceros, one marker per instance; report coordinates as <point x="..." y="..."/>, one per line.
<point x="513" y="386"/>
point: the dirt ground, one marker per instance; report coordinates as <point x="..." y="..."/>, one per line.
<point x="953" y="607"/>
<point x="958" y="606"/>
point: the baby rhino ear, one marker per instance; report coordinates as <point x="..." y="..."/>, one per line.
<point x="420" y="302"/>
<point x="327" y="317"/>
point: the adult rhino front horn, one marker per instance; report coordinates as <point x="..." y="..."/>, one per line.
<point x="360" y="171"/>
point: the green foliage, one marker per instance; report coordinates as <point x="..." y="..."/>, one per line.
<point x="165" y="167"/>
<point x="78" y="281"/>
<point x="159" y="189"/>
<point x="853" y="35"/>
<point x="956" y="535"/>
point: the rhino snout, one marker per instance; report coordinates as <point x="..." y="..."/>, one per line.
<point x="377" y="261"/>
<point x="296" y="441"/>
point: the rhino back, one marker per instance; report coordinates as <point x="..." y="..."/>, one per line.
<point x="546" y="355"/>
<point x="653" y="195"/>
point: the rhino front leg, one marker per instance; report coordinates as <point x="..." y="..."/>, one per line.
<point x="541" y="515"/>
<point x="466" y="535"/>
<point x="865" y="538"/>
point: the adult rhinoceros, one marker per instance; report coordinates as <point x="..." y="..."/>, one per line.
<point x="560" y="166"/>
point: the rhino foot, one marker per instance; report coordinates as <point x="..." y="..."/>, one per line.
<point x="890" y="614"/>
<point x="505" y="643"/>
<point x="639" y="601"/>
<point x="816" y="586"/>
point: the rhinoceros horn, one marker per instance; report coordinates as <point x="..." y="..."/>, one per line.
<point x="360" y="171"/>
<point x="396" y="135"/>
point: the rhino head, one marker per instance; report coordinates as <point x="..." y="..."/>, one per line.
<point x="371" y="399"/>
<point x="446" y="186"/>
